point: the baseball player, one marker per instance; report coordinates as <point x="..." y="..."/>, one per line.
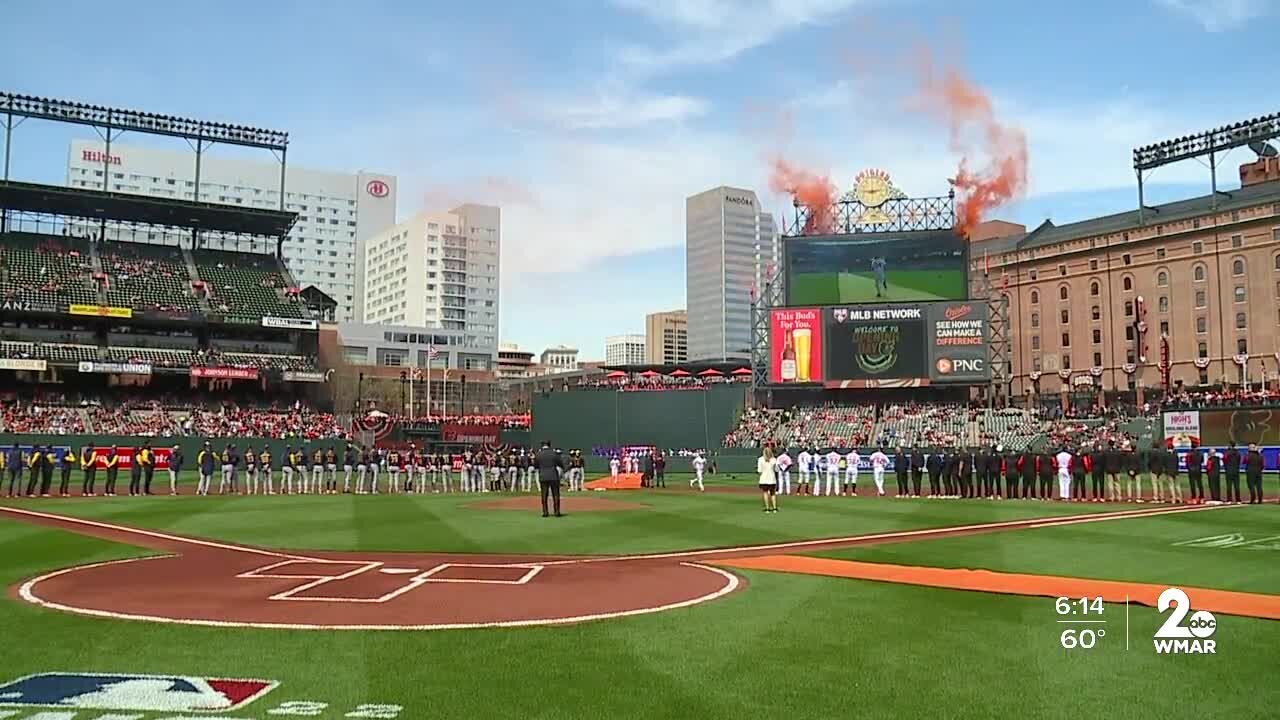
<point x="879" y="461"/>
<point x="348" y="464"/>
<point x="251" y="470"/>
<point x="699" y="466"/>
<point x="882" y="284"/>
<point x="375" y="465"/>
<point x="331" y="470"/>
<point x="264" y="465"/>
<point x="614" y="464"/>
<point x="784" y="473"/>
<point x="205" y="462"/>
<point x="317" y="472"/>
<point x="362" y="471"/>
<point x="393" y="466"/>
<point x="804" y="460"/>
<point x="833" y="472"/>
<point x="851" y="472"/>
<point x="1063" y="462"/>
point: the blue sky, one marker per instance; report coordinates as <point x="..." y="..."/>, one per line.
<point x="590" y="122"/>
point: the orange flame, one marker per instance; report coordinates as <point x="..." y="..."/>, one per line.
<point x="813" y="190"/>
<point x="994" y="157"/>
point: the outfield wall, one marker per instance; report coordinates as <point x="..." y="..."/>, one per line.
<point x="667" y="419"/>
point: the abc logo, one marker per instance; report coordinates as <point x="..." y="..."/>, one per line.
<point x="944" y="366"/>
<point x="1202" y="624"/>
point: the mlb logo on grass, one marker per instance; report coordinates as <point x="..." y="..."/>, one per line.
<point x="105" y="691"/>
<point x="1194" y="638"/>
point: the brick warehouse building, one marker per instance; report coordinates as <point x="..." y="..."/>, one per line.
<point x="1207" y="269"/>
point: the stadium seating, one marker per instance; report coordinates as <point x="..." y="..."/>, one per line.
<point x="1013" y="429"/>
<point x="246" y="285"/>
<point x="146" y="277"/>
<point x="268" y="362"/>
<point x="45" y="270"/>
<point x="55" y="352"/>
<point x="839" y="426"/>
<point x="942" y="424"/>
<point x="157" y="357"/>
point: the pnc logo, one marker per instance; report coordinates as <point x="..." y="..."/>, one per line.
<point x="957" y="312"/>
<point x="944" y="366"/>
<point x="378" y="188"/>
<point x="947" y="366"/>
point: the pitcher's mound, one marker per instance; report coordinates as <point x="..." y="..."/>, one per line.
<point x="568" y="504"/>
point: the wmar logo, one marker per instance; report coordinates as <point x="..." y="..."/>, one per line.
<point x="106" y="691"/>
<point x="1173" y="638"/>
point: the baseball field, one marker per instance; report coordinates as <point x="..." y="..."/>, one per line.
<point x="646" y="604"/>
<point x="835" y="288"/>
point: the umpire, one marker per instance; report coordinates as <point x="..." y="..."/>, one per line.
<point x="550" y="468"/>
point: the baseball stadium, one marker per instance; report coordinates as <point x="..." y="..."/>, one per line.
<point x="897" y="507"/>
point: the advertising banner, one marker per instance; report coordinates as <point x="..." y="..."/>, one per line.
<point x="289" y="323"/>
<point x="101" y="311"/>
<point x="26" y="306"/>
<point x="114" y="368"/>
<point x="303" y="376"/>
<point x="1182" y="429"/>
<point x="23" y="364"/>
<point x="959" y="336"/>
<point x="874" y="343"/>
<point x="225" y="373"/>
<point x="457" y="432"/>
<point x="1244" y="426"/>
<point x="795" y="345"/>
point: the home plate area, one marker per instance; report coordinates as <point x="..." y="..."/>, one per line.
<point x="375" y="582"/>
<point x="390" y="591"/>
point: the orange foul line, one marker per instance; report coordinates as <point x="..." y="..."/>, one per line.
<point x="1218" y="601"/>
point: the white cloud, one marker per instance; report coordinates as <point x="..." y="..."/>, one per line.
<point x="712" y="31"/>
<point x="618" y="110"/>
<point x="1220" y="15"/>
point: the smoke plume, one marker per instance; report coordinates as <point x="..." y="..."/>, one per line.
<point x="813" y="190"/>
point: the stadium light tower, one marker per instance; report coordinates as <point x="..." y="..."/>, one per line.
<point x="1254" y="134"/>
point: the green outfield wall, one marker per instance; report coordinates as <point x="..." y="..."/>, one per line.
<point x="667" y="419"/>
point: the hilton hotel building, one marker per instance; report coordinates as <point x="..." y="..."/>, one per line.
<point x="729" y="241"/>
<point x="1207" y="269"/>
<point x="337" y="212"/>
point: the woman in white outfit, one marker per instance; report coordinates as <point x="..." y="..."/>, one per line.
<point x="767" y="469"/>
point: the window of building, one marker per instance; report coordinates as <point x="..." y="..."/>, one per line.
<point x="1035" y="342"/>
<point x="1066" y="362"/>
<point x="1127" y="283"/>
<point x="1062" y="293"/>
<point x="1237" y="241"/>
<point x="1095" y="288"/>
<point x="1162" y="278"/>
<point x="1202" y="325"/>
<point x="1128" y="333"/>
<point x="1239" y="293"/>
<point x="1034" y="274"/>
<point x="1198" y="273"/>
<point x="1242" y="321"/>
<point x="1197" y="247"/>
<point x="1130" y="356"/>
<point x="1035" y="320"/>
<point x="1065" y="317"/>
<point x="1035" y="363"/>
<point x="1097" y="359"/>
<point x="1201" y="299"/>
<point x="1202" y="349"/>
<point x="1164" y="327"/>
<point x="1062" y="269"/>
<point x="1066" y="339"/>
<point x="1128" y="308"/>
<point x="1242" y="345"/>
<point x="1097" y="336"/>
<point x="1096" y="312"/>
<point x="1163" y="304"/>
<point x="1237" y="267"/>
<point x="1126" y="259"/>
<point x="1160" y="253"/>
<point x="1277" y="262"/>
<point x="1035" y="297"/>
<point x="1093" y="263"/>
<point x="1203" y="374"/>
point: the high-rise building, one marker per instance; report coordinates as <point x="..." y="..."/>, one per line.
<point x="729" y="241"/>
<point x="438" y="270"/>
<point x="336" y="211"/>
<point x="666" y="338"/>
<point x="624" y="350"/>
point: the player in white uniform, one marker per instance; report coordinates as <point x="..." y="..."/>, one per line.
<point x="1063" y="461"/>
<point x="699" y="465"/>
<point x="614" y="464"/>
<point x="833" y="473"/>
<point x="879" y="461"/>
<point x="804" y="460"/>
<point x="851" y="472"/>
<point x="877" y="267"/>
<point x="784" y="473"/>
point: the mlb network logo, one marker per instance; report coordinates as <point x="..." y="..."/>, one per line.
<point x="1195" y="638"/>
<point x="107" y="691"/>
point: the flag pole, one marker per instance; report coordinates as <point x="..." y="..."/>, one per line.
<point x="412" y="372"/>
<point x="428" y="387"/>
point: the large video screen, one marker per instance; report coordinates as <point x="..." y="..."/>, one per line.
<point x="876" y="268"/>
<point x="906" y="344"/>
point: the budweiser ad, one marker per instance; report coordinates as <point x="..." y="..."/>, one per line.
<point x="795" y="345"/>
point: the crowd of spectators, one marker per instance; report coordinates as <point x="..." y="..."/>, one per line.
<point x="755" y="427"/>
<point x="640" y="382"/>
<point x="231" y="421"/>
<point x="36" y="417"/>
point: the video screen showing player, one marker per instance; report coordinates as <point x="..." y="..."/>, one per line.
<point x="870" y="268"/>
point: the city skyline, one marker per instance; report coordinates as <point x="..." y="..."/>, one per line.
<point x="591" y="140"/>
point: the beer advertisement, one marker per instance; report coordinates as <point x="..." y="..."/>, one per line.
<point x="796" y="345"/>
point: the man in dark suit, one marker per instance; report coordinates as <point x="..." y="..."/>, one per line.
<point x="900" y="468"/>
<point x="550" y="467"/>
<point x="647" y="478"/>
<point x="1195" y="460"/>
<point x="1253" y="473"/>
<point x="1232" y="465"/>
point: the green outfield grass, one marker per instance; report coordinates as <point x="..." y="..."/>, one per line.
<point x="854" y="287"/>
<point x="786" y="646"/>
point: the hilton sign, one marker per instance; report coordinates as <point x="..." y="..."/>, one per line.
<point x="95" y="156"/>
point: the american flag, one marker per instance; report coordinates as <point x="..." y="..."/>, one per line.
<point x="432" y="352"/>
